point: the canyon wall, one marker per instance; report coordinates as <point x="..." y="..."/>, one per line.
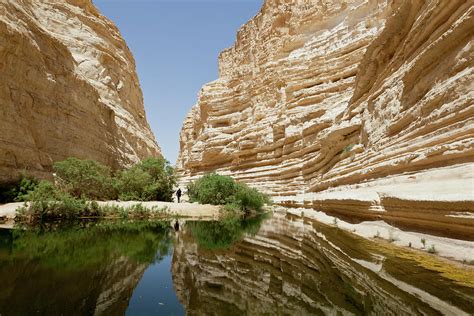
<point x="361" y="108"/>
<point x="68" y="87"/>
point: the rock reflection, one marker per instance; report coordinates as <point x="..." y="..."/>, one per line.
<point x="296" y="267"/>
<point x="77" y="270"/>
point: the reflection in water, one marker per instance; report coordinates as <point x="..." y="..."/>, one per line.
<point x="222" y="234"/>
<point x="77" y="270"/>
<point x="282" y="265"/>
<point x="296" y="267"/>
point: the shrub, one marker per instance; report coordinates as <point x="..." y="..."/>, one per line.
<point x="163" y="175"/>
<point x="249" y="198"/>
<point x="17" y="191"/>
<point x="151" y="179"/>
<point x="85" y="179"/>
<point x="48" y="203"/>
<point x="26" y="185"/>
<point x="216" y="189"/>
<point x="232" y="210"/>
<point x="134" y="184"/>
<point x="44" y="191"/>
<point x="212" y="188"/>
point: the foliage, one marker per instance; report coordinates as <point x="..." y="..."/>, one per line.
<point x="138" y="211"/>
<point x="26" y="185"/>
<point x="48" y="203"/>
<point x="212" y="188"/>
<point x="17" y="191"/>
<point x="135" y="185"/>
<point x="86" y="179"/>
<point x="249" y="198"/>
<point x="216" y="189"/>
<point x="45" y="191"/>
<point x="151" y="179"/>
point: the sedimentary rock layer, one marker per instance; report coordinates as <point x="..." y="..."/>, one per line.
<point x="68" y="87"/>
<point x="319" y="101"/>
<point x="296" y="266"/>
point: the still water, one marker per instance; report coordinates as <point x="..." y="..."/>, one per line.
<point x="278" y="265"/>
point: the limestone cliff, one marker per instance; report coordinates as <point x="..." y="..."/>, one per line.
<point x="359" y="107"/>
<point x="68" y="87"/>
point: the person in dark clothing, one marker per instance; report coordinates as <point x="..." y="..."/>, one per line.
<point x="178" y="194"/>
<point x="176" y="226"/>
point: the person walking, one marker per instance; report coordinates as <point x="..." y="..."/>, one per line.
<point x="178" y="194"/>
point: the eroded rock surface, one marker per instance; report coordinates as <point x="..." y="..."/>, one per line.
<point x="68" y="87"/>
<point x="353" y="106"/>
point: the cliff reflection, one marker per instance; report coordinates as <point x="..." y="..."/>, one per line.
<point x="293" y="266"/>
<point x="85" y="269"/>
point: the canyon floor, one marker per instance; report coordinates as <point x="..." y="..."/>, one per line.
<point x="187" y="210"/>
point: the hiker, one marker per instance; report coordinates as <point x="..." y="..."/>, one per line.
<point x="178" y="194"/>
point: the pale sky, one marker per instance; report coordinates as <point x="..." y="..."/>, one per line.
<point x="175" y="44"/>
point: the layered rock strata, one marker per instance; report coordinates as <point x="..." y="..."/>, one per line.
<point x="296" y="266"/>
<point x="360" y="107"/>
<point x="68" y="87"/>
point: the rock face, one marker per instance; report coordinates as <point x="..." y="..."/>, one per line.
<point x="364" y="108"/>
<point x="68" y="87"/>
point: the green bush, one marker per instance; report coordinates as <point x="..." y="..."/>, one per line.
<point x="80" y="180"/>
<point x="45" y="191"/>
<point x="134" y="184"/>
<point x="249" y="198"/>
<point x="49" y="203"/>
<point x="212" y="188"/>
<point x="17" y="191"/>
<point x="216" y="189"/>
<point x="26" y="185"/>
<point x="151" y="179"/>
<point x="85" y="179"/>
<point x="163" y="175"/>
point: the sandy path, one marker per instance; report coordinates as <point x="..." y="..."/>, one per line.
<point x="192" y="210"/>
